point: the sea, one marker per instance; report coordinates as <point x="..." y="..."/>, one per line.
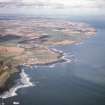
<point x="79" y="81"/>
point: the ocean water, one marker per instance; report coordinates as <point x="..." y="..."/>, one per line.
<point x="79" y="82"/>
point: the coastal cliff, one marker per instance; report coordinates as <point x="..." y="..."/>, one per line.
<point x="27" y="42"/>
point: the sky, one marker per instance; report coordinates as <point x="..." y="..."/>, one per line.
<point x="16" y="6"/>
<point x="82" y="3"/>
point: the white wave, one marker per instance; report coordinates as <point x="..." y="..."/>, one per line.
<point x="65" y="55"/>
<point x="24" y="82"/>
<point x="16" y="103"/>
<point x="55" y="50"/>
<point x="52" y="66"/>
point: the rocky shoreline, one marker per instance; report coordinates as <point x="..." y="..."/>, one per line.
<point x="27" y="43"/>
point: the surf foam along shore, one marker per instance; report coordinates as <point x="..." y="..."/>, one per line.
<point x="64" y="55"/>
<point x="27" y="44"/>
<point x="23" y="82"/>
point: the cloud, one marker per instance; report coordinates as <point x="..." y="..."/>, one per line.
<point x="53" y="3"/>
<point x="53" y="7"/>
<point x="20" y="3"/>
